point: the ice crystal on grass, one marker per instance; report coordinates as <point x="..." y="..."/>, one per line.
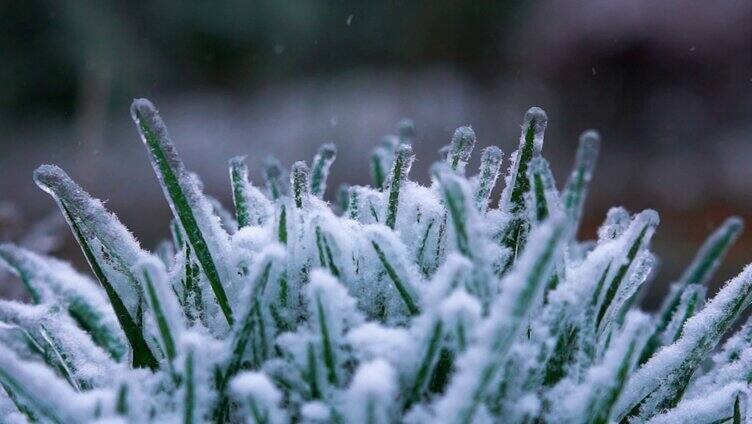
<point x="401" y="304"/>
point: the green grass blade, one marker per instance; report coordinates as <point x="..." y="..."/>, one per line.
<point x="327" y="349"/>
<point x="701" y="269"/>
<point x="343" y="197"/>
<point x="189" y="398"/>
<point x="463" y="142"/>
<point x="311" y="374"/>
<point x="646" y="222"/>
<point x="427" y="364"/>
<point x="457" y="201"/>
<point x="37" y="392"/>
<point x="531" y="143"/>
<point x="154" y="281"/>
<point x="56" y="182"/>
<point x="737" y="410"/>
<point x="185" y="199"/>
<point x="399" y="284"/>
<point x="661" y="382"/>
<point x="521" y="289"/>
<point x="490" y="164"/>
<point x="378" y="168"/>
<point x="299" y="182"/>
<point x="282" y="225"/>
<point x="543" y="189"/>
<point x="17" y="261"/>
<point x="403" y="159"/>
<point x="576" y="188"/>
<point x="326" y="257"/>
<point x="44" y="273"/>
<point x="712" y="252"/>
<point x="322" y="162"/>
<point x="245" y="330"/>
<point x="239" y="180"/>
<point x="353" y="206"/>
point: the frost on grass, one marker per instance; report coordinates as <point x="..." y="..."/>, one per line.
<point x="400" y="304"/>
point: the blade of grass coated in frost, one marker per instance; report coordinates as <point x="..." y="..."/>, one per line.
<point x="142" y="355"/>
<point x="604" y="404"/>
<point x="28" y="391"/>
<point x="353" y="211"/>
<point x="712" y="252"/>
<point x="427" y="363"/>
<point x="403" y="159"/>
<point x="322" y="162"/>
<point x="33" y="340"/>
<point x="36" y="274"/>
<point x="422" y="247"/>
<point x="241" y="337"/>
<point x="326" y="258"/>
<point x="119" y="248"/>
<point x="282" y="225"/>
<point x="26" y="403"/>
<point x="61" y="361"/>
<point x="299" y="182"/>
<point x="661" y="382"/>
<point x="149" y="277"/>
<point x="705" y="263"/>
<point x="121" y="401"/>
<point x="311" y="375"/>
<point x="457" y="203"/>
<point x="191" y="289"/>
<point x="378" y="173"/>
<point x="25" y="410"/>
<point x="531" y="143"/>
<point x="648" y="219"/>
<point x="412" y="307"/>
<point x="246" y="324"/>
<point x="575" y="190"/>
<point x="189" y="401"/>
<point x="690" y="302"/>
<point x="239" y="178"/>
<point x="490" y="164"/>
<point x="555" y="367"/>
<point x="691" y="298"/>
<point x="343" y="197"/>
<point x="701" y="269"/>
<point x="461" y="148"/>
<point x="326" y="342"/>
<point x="182" y="197"/>
<point x="12" y="257"/>
<point x="542" y="183"/>
<point x="177" y="234"/>
<point x="736" y="412"/>
<point x="513" y="196"/>
<point x="521" y="288"/>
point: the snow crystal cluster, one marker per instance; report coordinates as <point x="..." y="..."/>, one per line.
<point x="398" y="303"/>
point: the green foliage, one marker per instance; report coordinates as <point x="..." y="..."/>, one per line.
<point x="403" y="303"/>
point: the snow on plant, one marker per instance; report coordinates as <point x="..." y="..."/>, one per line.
<point x="399" y="304"/>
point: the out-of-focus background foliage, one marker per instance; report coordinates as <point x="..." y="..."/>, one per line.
<point x="667" y="82"/>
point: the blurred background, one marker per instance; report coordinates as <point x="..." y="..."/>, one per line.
<point x="668" y="83"/>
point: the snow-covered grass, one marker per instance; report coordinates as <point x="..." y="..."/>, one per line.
<point x="397" y="304"/>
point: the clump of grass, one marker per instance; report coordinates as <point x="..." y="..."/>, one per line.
<point x="402" y="303"/>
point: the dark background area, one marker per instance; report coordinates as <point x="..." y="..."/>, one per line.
<point x="668" y="84"/>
